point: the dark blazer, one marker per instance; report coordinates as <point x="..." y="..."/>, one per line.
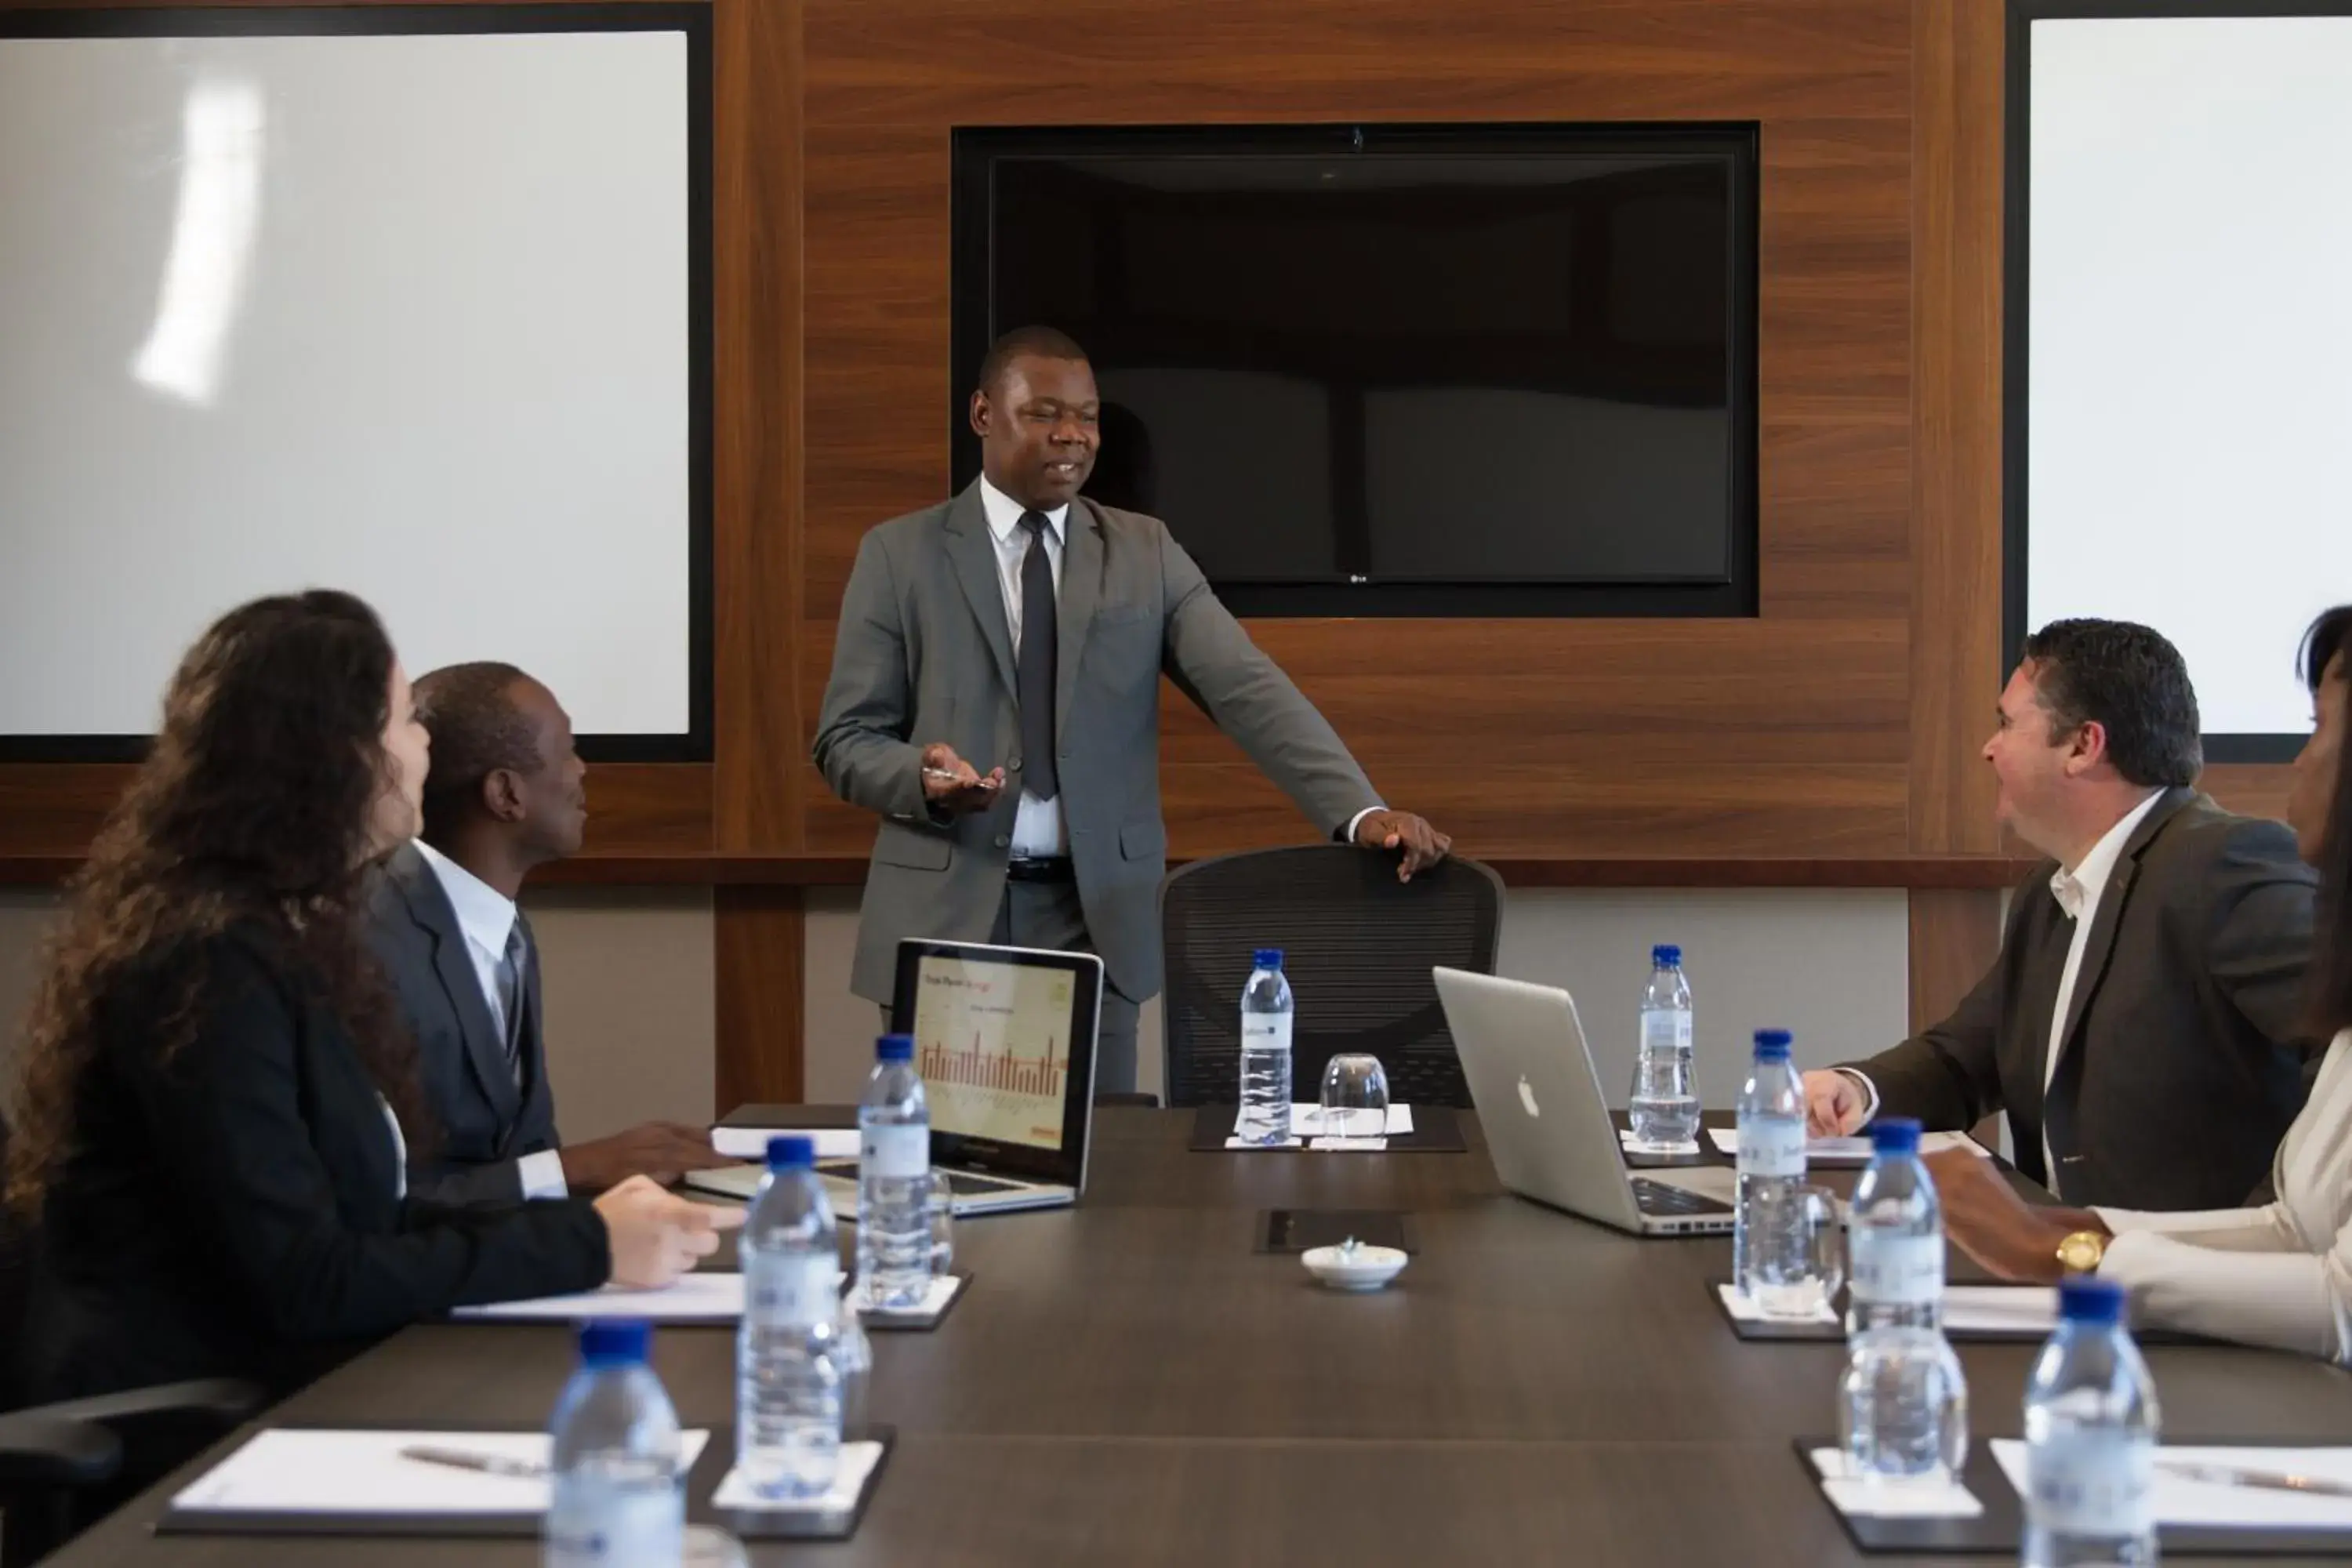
<point x="487" y="1123"/>
<point x="2182" y="1060"/>
<point x="232" y="1211"/>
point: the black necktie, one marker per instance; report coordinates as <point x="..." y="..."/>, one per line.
<point x="1035" y="663"/>
<point x="512" y="964"/>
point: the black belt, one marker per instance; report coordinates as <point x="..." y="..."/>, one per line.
<point x="1041" y="869"/>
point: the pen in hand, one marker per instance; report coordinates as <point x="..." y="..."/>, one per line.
<point x="487" y="1464"/>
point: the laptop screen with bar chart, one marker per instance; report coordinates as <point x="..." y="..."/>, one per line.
<point x="1005" y="1040"/>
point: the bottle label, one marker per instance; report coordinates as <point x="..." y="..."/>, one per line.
<point x="894" y="1151"/>
<point x="2097" y="1483"/>
<point x="1665" y="1029"/>
<point x="1771" y="1146"/>
<point x="1266" y="1031"/>
<point x="794" y="1291"/>
<point x="1896" y="1270"/>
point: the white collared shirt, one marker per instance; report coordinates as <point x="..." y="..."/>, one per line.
<point x="487" y="918"/>
<point x="1036" y="824"/>
<point x="2078" y="893"/>
<point x="1037" y="828"/>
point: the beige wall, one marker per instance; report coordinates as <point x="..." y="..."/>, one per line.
<point x="632" y="1032"/>
<point x="1831" y="965"/>
<point x="630" y="1023"/>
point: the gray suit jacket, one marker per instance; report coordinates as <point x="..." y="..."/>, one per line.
<point x="485" y="1122"/>
<point x="2182" y="1060"/>
<point x="925" y="654"/>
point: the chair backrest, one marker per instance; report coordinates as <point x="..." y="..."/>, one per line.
<point x="1357" y="946"/>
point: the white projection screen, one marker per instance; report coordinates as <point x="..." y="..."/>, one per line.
<point x="2183" y="423"/>
<point x="409" y="301"/>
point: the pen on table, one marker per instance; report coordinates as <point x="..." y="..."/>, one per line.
<point x="487" y="1464"/>
<point x="2270" y="1480"/>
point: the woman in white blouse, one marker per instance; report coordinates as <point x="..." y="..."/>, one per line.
<point x="2279" y="1275"/>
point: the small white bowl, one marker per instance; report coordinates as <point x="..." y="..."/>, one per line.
<point x="1359" y="1269"/>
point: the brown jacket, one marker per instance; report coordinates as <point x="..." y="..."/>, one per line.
<point x="2182" y="1060"/>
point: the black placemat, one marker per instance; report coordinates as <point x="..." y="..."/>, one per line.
<point x="1436" y="1129"/>
<point x="763" y="1525"/>
<point x="1300" y="1230"/>
<point x="913" y="1322"/>
<point x="1999" y="1529"/>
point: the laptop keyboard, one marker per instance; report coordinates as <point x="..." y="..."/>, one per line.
<point x="1658" y="1198"/>
<point x="960" y="1184"/>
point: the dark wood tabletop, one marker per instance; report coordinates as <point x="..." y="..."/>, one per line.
<point x="1129" y="1381"/>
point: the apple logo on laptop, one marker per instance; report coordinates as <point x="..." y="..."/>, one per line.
<point x="1527" y="1097"/>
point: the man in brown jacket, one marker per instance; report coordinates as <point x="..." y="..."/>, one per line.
<point x="2140" y="1026"/>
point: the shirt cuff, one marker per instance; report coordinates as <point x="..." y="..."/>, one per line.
<point x="542" y="1175"/>
<point x="1357" y="820"/>
<point x="1869" y="1089"/>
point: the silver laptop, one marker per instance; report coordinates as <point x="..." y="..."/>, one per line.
<point x="1005" y="1040"/>
<point x="1547" y="1124"/>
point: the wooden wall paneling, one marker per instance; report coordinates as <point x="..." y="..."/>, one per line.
<point x="1497" y="731"/>
<point x="647" y="808"/>
<point x="760" y="947"/>
<point x="1955" y="937"/>
<point x="1956" y="521"/>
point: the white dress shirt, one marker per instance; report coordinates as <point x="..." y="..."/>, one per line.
<point x="1037" y="828"/>
<point x="2078" y="892"/>
<point x="488" y="917"/>
<point x="2279" y="1275"/>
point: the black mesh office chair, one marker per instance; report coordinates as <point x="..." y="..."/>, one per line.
<point x="65" y="1467"/>
<point x="1358" y="947"/>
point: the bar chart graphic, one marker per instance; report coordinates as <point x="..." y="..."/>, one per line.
<point x="991" y="1043"/>
<point x="976" y="1066"/>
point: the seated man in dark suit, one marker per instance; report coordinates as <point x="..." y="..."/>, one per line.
<point x="2141" y="1025"/>
<point x="504" y="794"/>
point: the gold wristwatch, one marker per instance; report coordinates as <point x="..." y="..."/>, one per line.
<point x="2080" y="1253"/>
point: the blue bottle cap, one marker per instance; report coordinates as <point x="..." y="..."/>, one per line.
<point x="895" y="1048"/>
<point x="615" y="1342"/>
<point x="792" y="1151"/>
<point x="1667" y="955"/>
<point x="1772" y="1044"/>
<point x="1268" y="958"/>
<point x="1895" y="1135"/>
<point x="2087" y="1299"/>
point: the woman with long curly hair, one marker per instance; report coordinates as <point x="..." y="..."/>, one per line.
<point x="216" y="1095"/>
<point x="2279" y="1275"/>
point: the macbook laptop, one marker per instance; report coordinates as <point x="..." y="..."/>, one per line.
<point x="1005" y="1040"/>
<point x="1547" y="1124"/>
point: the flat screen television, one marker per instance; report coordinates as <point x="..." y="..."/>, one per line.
<point x="1396" y="370"/>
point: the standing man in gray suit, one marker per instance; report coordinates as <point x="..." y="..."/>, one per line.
<point x="944" y="655"/>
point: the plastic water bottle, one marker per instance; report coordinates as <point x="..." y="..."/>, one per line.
<point x="1663" y="1107"/>
<point x="787" y="1380"/>
<point x="619" y="1497"/>
<point x="1771" y="1242"/>
<point x="1267" y="1013"/>
<point x="894" y="1179"/>
<point x="2091" y="1423"/>
<point x="1903" y="1403"/>
<point x="854" y="1360"/>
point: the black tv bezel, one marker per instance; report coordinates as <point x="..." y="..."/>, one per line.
<point x="2016" y="331"/>
<point x="689" y="18"/>
<point x="977" y="149"/>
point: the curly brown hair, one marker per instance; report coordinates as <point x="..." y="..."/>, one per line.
<point x="253" y="809"/>
<point x="2330" y="637"/>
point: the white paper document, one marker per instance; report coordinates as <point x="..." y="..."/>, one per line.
<point x="1745" y="1310"/>
<point x="1306" y="1122"/>
<point x="701" y="1298"/>
<point x="283" y="1471"/>
<point x="1852" y="1151"/>
<point x="935" y="1300"/>
<point x="857" y="1462"/>
<point x="2029" y="1312"/>
<point x="1626" y="1140"/>
<point x="1348" y="1145"/>
<point x="1891" y="1499"/>
<point x="2180" y="1502"/>
<point x="752" y="1142"/>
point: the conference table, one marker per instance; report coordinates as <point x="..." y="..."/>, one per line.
<point x="1130" y="1382"/>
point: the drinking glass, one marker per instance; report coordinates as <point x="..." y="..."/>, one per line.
<point x="1355" y="1098"/>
